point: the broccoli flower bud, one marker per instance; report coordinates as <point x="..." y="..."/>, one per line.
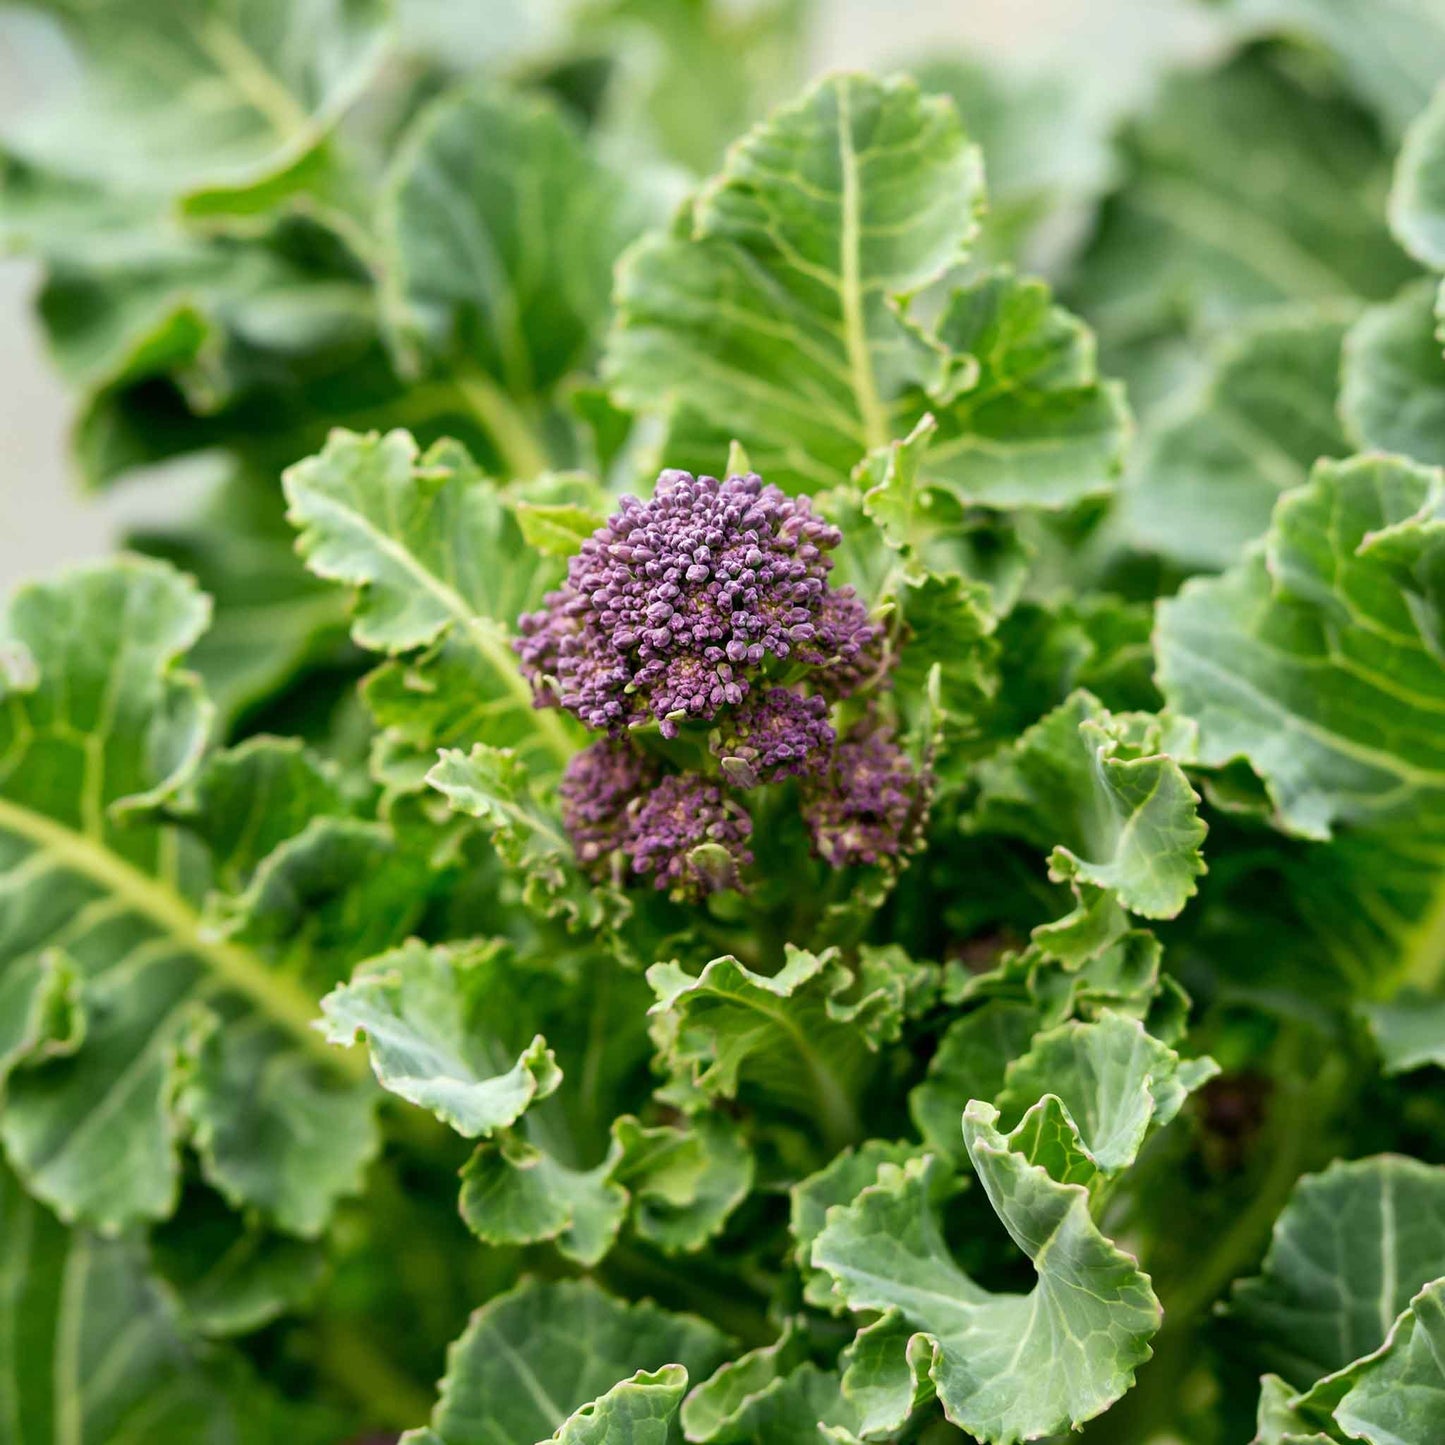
<point x="596" y="789"/>
<point x="689" y="836"/>
<point x="772" y="735"/>
<point x="869" y="803"/>
<point x="673" y="608"/>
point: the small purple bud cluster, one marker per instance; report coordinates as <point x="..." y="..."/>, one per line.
<point x="870" y="804"/>
<point x="681" y="828"/>
<point x="686" y="609"/>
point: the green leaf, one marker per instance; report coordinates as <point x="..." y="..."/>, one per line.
<point x="533" y="1361"/>
<point x="1249" y="185"/>
<point x="1310" y="660"/>
<point x="175" y="98"/>
<point x="1391" y="57"/>
<point x="772" y="305"/>
<point x="1114" y="1079"/>
<point x="969" y="1063"/>
<point x="1392" y="393"/>
<point x="272" y="618"/>
<point x="233" y="1276"/>
<point x="1409" y="1031"/>
<point x="493" y="785"/>
<point x="1211" y="471"/>
<point x="845" y="1176"/>
<point x="97" y="1350"/>
<point x="1100" y="791"/>
<point x="244" y="802"/>
<point x="1007" y="1367"/>
<point x="502" y="228"/>
<point x="1352" y="1247"/>
<point x="514" y="1192"/>
<point x="418" y="538"/>
<point x="430" y="1019"/>
<point x="795" y="1038"/>
<point x="1399" y="1395"/>
<point x="96" y="725"/>
<point x="1031" y="424"/>
<point x="714" y="1404"/>
<point x="1417" y="199"/>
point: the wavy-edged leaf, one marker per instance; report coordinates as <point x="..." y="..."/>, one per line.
<point x="97" y="1350"/>
<point x="1025" y="421"/>
<point x="1116" y="1081"/>
<point x="797" y="1038"/>
<point x="420" y="537"/>
<point x="97" y="724"/>
<point x="1209" y="473"/>
<point x="1007" y="1367"/>
<point x="1311" y="661"/>
<point x="1351" y="1248"/>
<point x="771" y="306"/>
<point x="532" y="1363"/>
<point x="429" y="1016"/>
<point x="493" y="786"/>
<point x="1399" y="1395"/>
<point x="1101" y="791"/>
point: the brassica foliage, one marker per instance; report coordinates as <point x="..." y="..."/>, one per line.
<point x="938" y="934"/>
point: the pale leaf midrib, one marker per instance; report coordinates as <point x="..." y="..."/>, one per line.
<point x="482" y="630"/>
<point x="275" y="994"/>
<point x="870" y="407"/>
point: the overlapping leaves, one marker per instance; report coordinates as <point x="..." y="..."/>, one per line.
<point x="140" y="1011"/>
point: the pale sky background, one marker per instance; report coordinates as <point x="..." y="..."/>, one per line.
<point x="1115" y="45"/>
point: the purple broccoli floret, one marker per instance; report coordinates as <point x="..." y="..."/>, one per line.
<point x="689" y="836"/>
<point x="673" y="608"/>
<point x="598" y="785"/>
<point x="774" y="734"/>
<point x="869" y="803"/>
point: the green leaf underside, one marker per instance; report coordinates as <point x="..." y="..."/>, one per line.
<point x="1115" y="1080"/>
<point x="1007" y="1367"/>
<point x="424" y="1012"/>
<point x="533" y="1359"/>
<point x="504" y="228"/>
<point x="100" y="721"/>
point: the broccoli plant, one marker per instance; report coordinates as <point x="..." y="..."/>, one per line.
<point x="713" y="831"/>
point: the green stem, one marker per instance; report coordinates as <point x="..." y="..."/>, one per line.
<point x="504" y="421"/>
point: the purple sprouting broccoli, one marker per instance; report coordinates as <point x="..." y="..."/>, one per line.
<point x="711" y="604"/>
<point x="673" y="609"/>
<point x="690" y="836"/>
<point x="775" y="734"/>
<point x="869" y="803"/>
<point x="596" y="790"/>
